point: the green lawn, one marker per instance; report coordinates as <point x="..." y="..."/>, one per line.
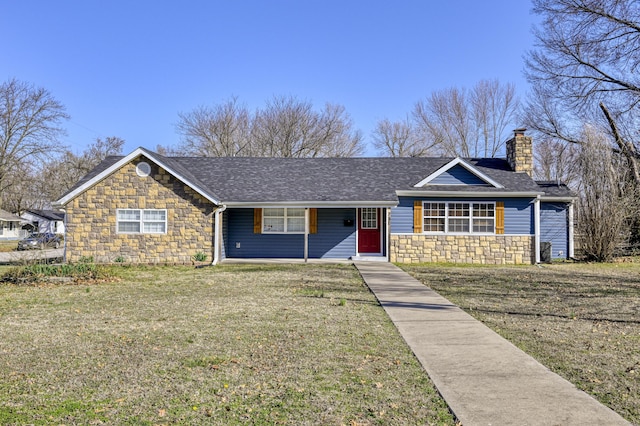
<point x="304" y="344"/>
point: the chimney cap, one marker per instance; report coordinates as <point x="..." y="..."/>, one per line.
<point x="519" y="131"/>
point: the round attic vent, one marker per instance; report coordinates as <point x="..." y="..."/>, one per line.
<point x="143" y="169"/>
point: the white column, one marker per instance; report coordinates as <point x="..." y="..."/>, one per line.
<point x="536" y="225"/>
<point x="217" y="249"/>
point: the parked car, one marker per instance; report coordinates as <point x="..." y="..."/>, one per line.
<point x="39" y="241"/>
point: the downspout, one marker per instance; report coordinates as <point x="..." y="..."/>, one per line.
<point x="217" y="249"/>
<point x="536" y="224"/>
<point x="306" y="234"/>
<point x="571" y="246"/>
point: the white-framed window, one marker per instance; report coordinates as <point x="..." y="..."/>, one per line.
<point x="459" y="217"/>
<point x="141" y="221"/>
<point x="369" y="218"/>
<point x="282" y="220"/>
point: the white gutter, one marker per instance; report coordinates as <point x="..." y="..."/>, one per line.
<point x="312" y="204"/>
<point x="467" y="194"/>
<point x="217" y="249"/>
<point x="536" y="225"/>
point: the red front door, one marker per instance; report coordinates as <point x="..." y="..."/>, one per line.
<point x="369" y="230"/>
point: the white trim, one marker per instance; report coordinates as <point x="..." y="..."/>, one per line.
<point x="358" y="211"/>
<point x="470" y="218"/>
<point x="311" y="204"/>
<point x="466" y="194"/>
<point x="435" y="234"/>
<point x="545" y="199"/>
<point x="571" y="231"/>
<point x="536" y="225"/>
<point x="141" y="221"/>
<point x="458" y="162"/>
<point x="122" y="162"/>
<point x="286" y="218"/>
<point x="143" y="169"/>
<point x="217" y="249"/>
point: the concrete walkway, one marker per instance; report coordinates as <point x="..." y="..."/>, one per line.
<point x="485" y="379"/>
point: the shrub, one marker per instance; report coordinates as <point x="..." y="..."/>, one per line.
<point x="29" y="274"/>
<point x="200" y="256"/>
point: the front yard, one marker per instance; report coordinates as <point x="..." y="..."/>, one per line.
<point x="227" y="345"/>
<point x="580" y="320"/>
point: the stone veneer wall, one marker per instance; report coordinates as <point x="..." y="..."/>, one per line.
<point x="482" y="249"/>
<point x="91" y="219"/>
<point x="520" y="153"/>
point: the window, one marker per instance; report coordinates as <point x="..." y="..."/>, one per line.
<point x="369" y="218"/>
<point x="281" y="220"/>
<point x="434" y="217"/>
<point x="139" y="221"/>
<point x="459" y="217"/>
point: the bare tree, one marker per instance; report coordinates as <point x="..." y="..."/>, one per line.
<point x="288" y="127"/>
<point x="223" y="130"/>
<point x="400" y="139"/>
<point x="608" y="199"/>
<point x="285" y="127"/>
<point x="29" y="128"/>
<point x="555" y="160"/>
<point x="59" y="174"/>
<point x="468" y="123"/>
<point x="585" y="70"/>
<point x="495" y="107"/>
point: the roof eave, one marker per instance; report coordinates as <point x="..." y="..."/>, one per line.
<point x="469" y="194"/>
<point x="309" y="204"/>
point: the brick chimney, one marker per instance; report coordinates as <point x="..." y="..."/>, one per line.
<point x="520" y="152"/>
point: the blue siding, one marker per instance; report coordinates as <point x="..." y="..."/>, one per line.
<point x="402" y="216"/>
<point x="554" y="228"/>
<point x="457" y="175"/>
<point x="334" y="240"/>
<point x="252" y="245"/>
<point x="518" y="214"/>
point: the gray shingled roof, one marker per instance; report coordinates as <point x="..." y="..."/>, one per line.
<point x="264" y="180"/>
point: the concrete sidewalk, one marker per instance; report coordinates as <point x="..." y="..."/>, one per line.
<point x="485" y="379"/>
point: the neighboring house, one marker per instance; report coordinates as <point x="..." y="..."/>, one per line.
<point x="10" y="226"/>
<point x="45" y="221"/>
<point x="145" y="207"/>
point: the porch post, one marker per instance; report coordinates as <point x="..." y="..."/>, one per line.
<point x="217" y="248"/>
<point x="536" y="225"/>
<point x="306" y="234"/>
<point x="388" y="233"/>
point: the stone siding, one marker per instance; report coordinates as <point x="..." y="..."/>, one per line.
<point x="91" y="219"/>
<point x="482" y="249"/>
<point x="520" y="153"/>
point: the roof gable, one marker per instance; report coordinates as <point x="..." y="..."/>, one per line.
<point x="458" y="172"/>
<point x="173" y="168"/>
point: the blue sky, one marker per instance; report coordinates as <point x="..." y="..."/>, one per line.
<point x="126" y="68"/>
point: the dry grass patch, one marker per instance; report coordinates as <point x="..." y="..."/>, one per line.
<point x="241" y="344"/>
<point x="580" y="320"/>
